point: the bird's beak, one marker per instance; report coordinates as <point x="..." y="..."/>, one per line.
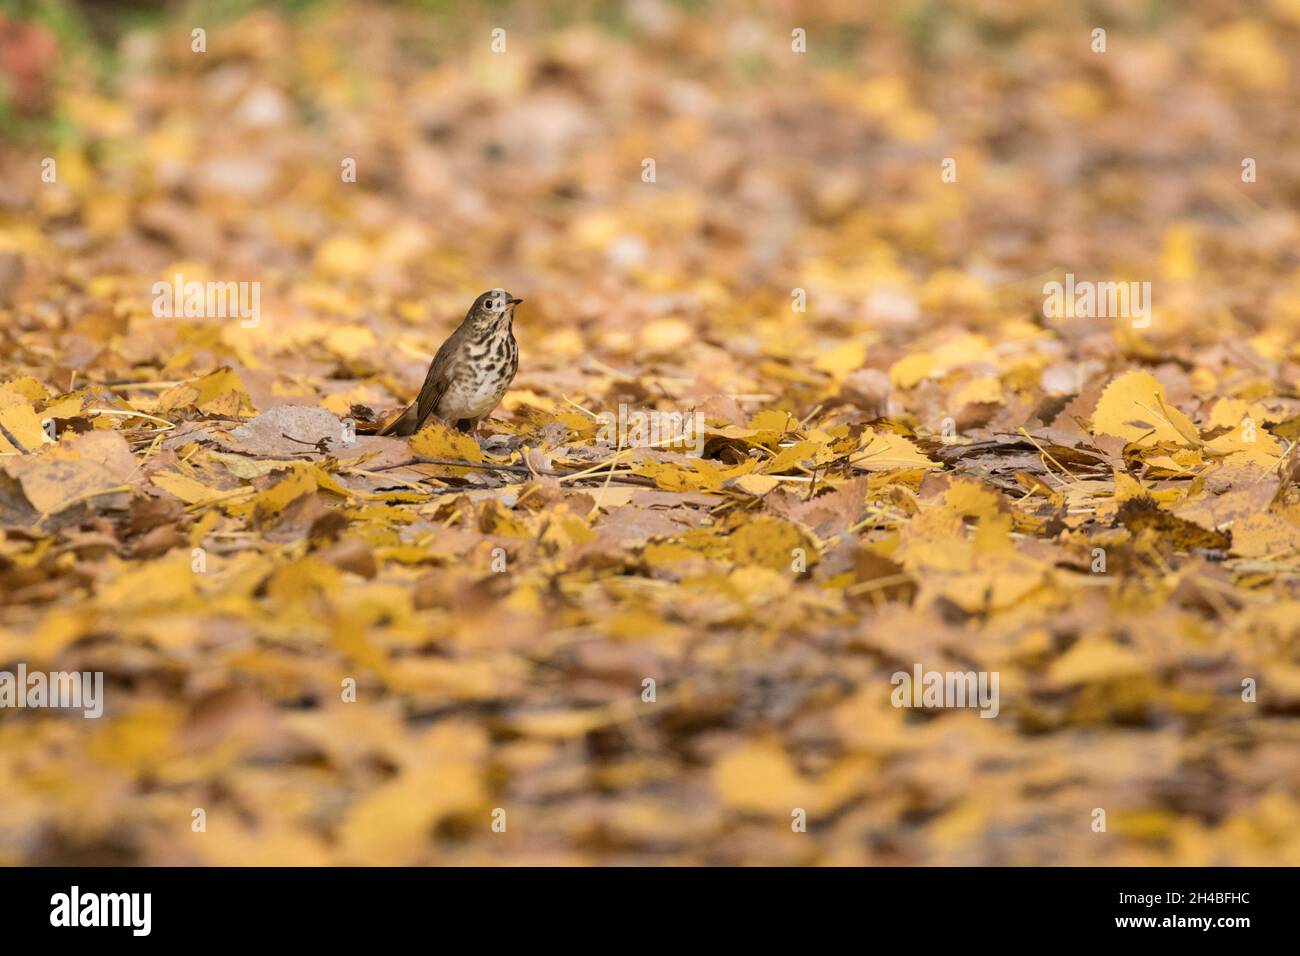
<point x="515" y="301"/>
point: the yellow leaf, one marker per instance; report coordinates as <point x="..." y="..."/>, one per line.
<point x="183" y="487"/>
<point x="800" y="453"/>
<point x="1265" y="536"/>
<point x="79" y="469"/>
<point x="964" y="349"/>
<point x="1133" y="407"/>
<point x="1227" y="413"/>
<point x="69" y="406"/>
<point x="392" y="824"/>
<point x="756" y="485"/>
<point x="350" y="341"/>
<point x="28" y="388"/>
<point x="137" y="741"/>
<point x="886" y="451"/>
<point x="1092" y="660"/>
<point x="297" y="482"/>
<point x="979" y="391"/>
<point x="1178" y="252"/>
<point x="910" y="371"/>
<point x="496" y="518"/>
<point x="769" y="542"/>
<point x="758" y="777"/>
<point x="1245" y="53"/>
<point x="21" y="424"/>
<point x="667" y="335"/>
<point x="343" y="257"/>
<point x="218" y="393"/>
<point x="167" y="582"/>
<point x="698" y="475"/>
<point x="771" y="420"/>
<point x="436" y="440"/>
<point x="1126" y="486"/>
<point x="842" y="359"/>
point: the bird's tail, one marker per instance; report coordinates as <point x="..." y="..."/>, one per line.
<point x="404" y="424"/>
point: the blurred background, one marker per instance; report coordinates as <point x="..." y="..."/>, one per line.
<point x="773" y="169"/>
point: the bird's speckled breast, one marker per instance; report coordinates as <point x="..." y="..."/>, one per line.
<point x="480" y="379"/>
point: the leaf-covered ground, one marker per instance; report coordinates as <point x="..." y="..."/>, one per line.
<point x="922" y="467"/>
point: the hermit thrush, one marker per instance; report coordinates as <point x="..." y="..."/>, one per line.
<point x="471" y="371"/>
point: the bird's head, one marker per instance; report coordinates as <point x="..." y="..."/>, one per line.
<point x="492" y="309"/>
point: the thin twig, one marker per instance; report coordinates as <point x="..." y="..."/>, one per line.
<point x="1048" y="455"/>
<point x="129" y="386"/>
<point x="13" y="440"/>
<point x="485" y="465"/>
<point x="132" y="414"/>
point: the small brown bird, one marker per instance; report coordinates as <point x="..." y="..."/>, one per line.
<point x="471" y="371"/>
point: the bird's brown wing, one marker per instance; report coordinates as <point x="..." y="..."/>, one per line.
<point x="431" y="392"/>
<point x="409" y="422"/>
<point x="436" y="382"/>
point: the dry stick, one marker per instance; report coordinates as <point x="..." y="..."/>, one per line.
<point x="530" y="490"/>
<point x="875" y="512"/>
<point x="613" y="459"/>
<point x="876" y="455"/>
<point x="889" y="580"/>
<point x="223" y="496"/>
<point x="1276" y="466"/>
<point x="611" y="462"/>
<point x="288" y="456"/>
<point x="625" y="478"/>
<point x="588" y="472"/>
<point x="370" y="474"/>
<point x="13" y="440"/>
<point x="132" y="414"/>
<point x="595" y="507"/>
<point x="489" y="466"/>
<point x="1048" y="456"/>
<point x="312" y="444"/>
<point x="610" y="370"/>
<point x="1163" y="413"/>
<point x="485" y="465"/>
<point x="579" y="407"/>
<point x="80" y="498"/>
<point x="620" y="478"/>
<point x="130" y="386"/>
<point x="804" y="421"/>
